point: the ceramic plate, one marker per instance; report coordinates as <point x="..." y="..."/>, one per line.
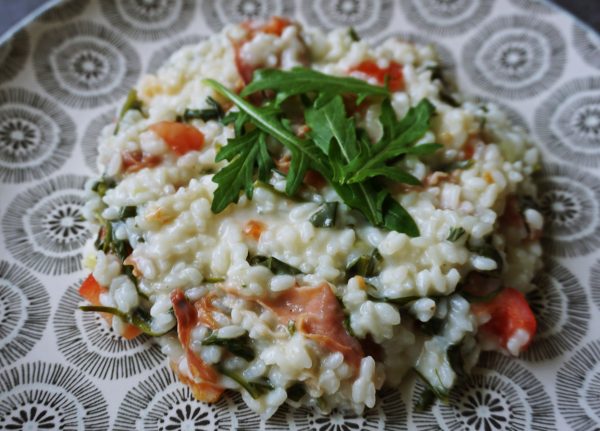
<point x="61" y="79"/>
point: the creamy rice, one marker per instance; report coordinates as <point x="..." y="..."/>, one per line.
<point x="178" y="243"/>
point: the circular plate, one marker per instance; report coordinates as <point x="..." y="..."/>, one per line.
<point x="61" y="78"/>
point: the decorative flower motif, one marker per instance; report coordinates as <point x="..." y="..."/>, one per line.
<point x="485" y="410"/>
<point x="515" y="56"/>
<point x="187" y="417"/>
<point x="32" y="417"/>
<point x="18" y="136"/>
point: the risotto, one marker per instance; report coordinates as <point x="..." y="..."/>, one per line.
<point x="304" y="218"/>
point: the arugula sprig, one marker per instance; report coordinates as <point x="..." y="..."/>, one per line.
<point x="343" y="155"/>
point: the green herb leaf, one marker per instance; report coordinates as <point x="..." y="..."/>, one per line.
<point x="254" y="388"/>
<point x="455" y="234"/>
<point x="398" y="219"/>
<point x="247" y="153"/>
<point x="301" y="80"/>
<point x="131" y="103"/>
<point x="214" y="112"/>
<point x="460" y="164"/>
<point x="291" y="327"/>
<point x="276" y="266"/>
<point x="240" y="346"/>
<point x="353" y="34"/>
<point x="398" y="138"/>
<point x="103" y="185"/>
<point x="138" y="318"/>
<point x="365" y="265"/>
<point x="325" y="215"/>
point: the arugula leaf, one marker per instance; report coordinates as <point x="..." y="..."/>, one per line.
<point x="245" y="153"/>
<point x="300" y="80"/>
<point x="267" y="121"/>
<point x="325" y="215"/>
<point x="397" y="218"/>
<point x="138" y="318"/>
<point x="277" y="267"/>
<point x="397" y="140"/>
<point x="240" y="346"/>
<point x="335" y="149"/>
<point x="330" y="122"/>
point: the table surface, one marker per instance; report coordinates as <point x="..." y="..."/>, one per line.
<point x="15" y="10"/>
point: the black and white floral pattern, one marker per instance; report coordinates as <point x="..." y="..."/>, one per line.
<point x="44" y="228"/>
<point x="446" y="17"/>
<point x="562" y="310"/>
<point x="500" y="394"/>
<point x="568" y="122"/>
<point x="535" y="6"/>
<point x="91" y="345"/>
<point x="160" y="402"/>
<point x="37" y="136"/>
<point x="587" y="44"/>
<point x="62" y="79"/>
<point x="84" y="64"/>
<point x="40" y="395"/>
<point x="515" y="56"/>
<point x="594" y="283"/>
<point x="13" y="55"/>
<point x="149" y="19"/>
<point x="578" y="388"/>
<point x="66" y="10"/>
<point x="570" y="202"/>
<point x="367" y="17"/>
<point x="217" y="14"/>
<point x="24" y="305"/>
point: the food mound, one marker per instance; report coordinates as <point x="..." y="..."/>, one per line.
<point x="304" y="218"/>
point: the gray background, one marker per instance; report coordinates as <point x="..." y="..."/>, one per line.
<point x="12" y="11"/>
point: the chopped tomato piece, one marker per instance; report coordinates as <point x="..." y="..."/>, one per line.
<point x="254" y="229"/>
<point x="509" y="313"/>
<point x="392" y="74"/>
<point x="130" y="332"/>
<point x="187" y="316"/>
<point x="275" y="25"/>
<point x="244" y="69"/>
<point x="134" y="161"/>
<point x="317" y="313"/>
<point x="181" y="138"/>
<point x="470" y="145"/>
<point x="91" y="290"/>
